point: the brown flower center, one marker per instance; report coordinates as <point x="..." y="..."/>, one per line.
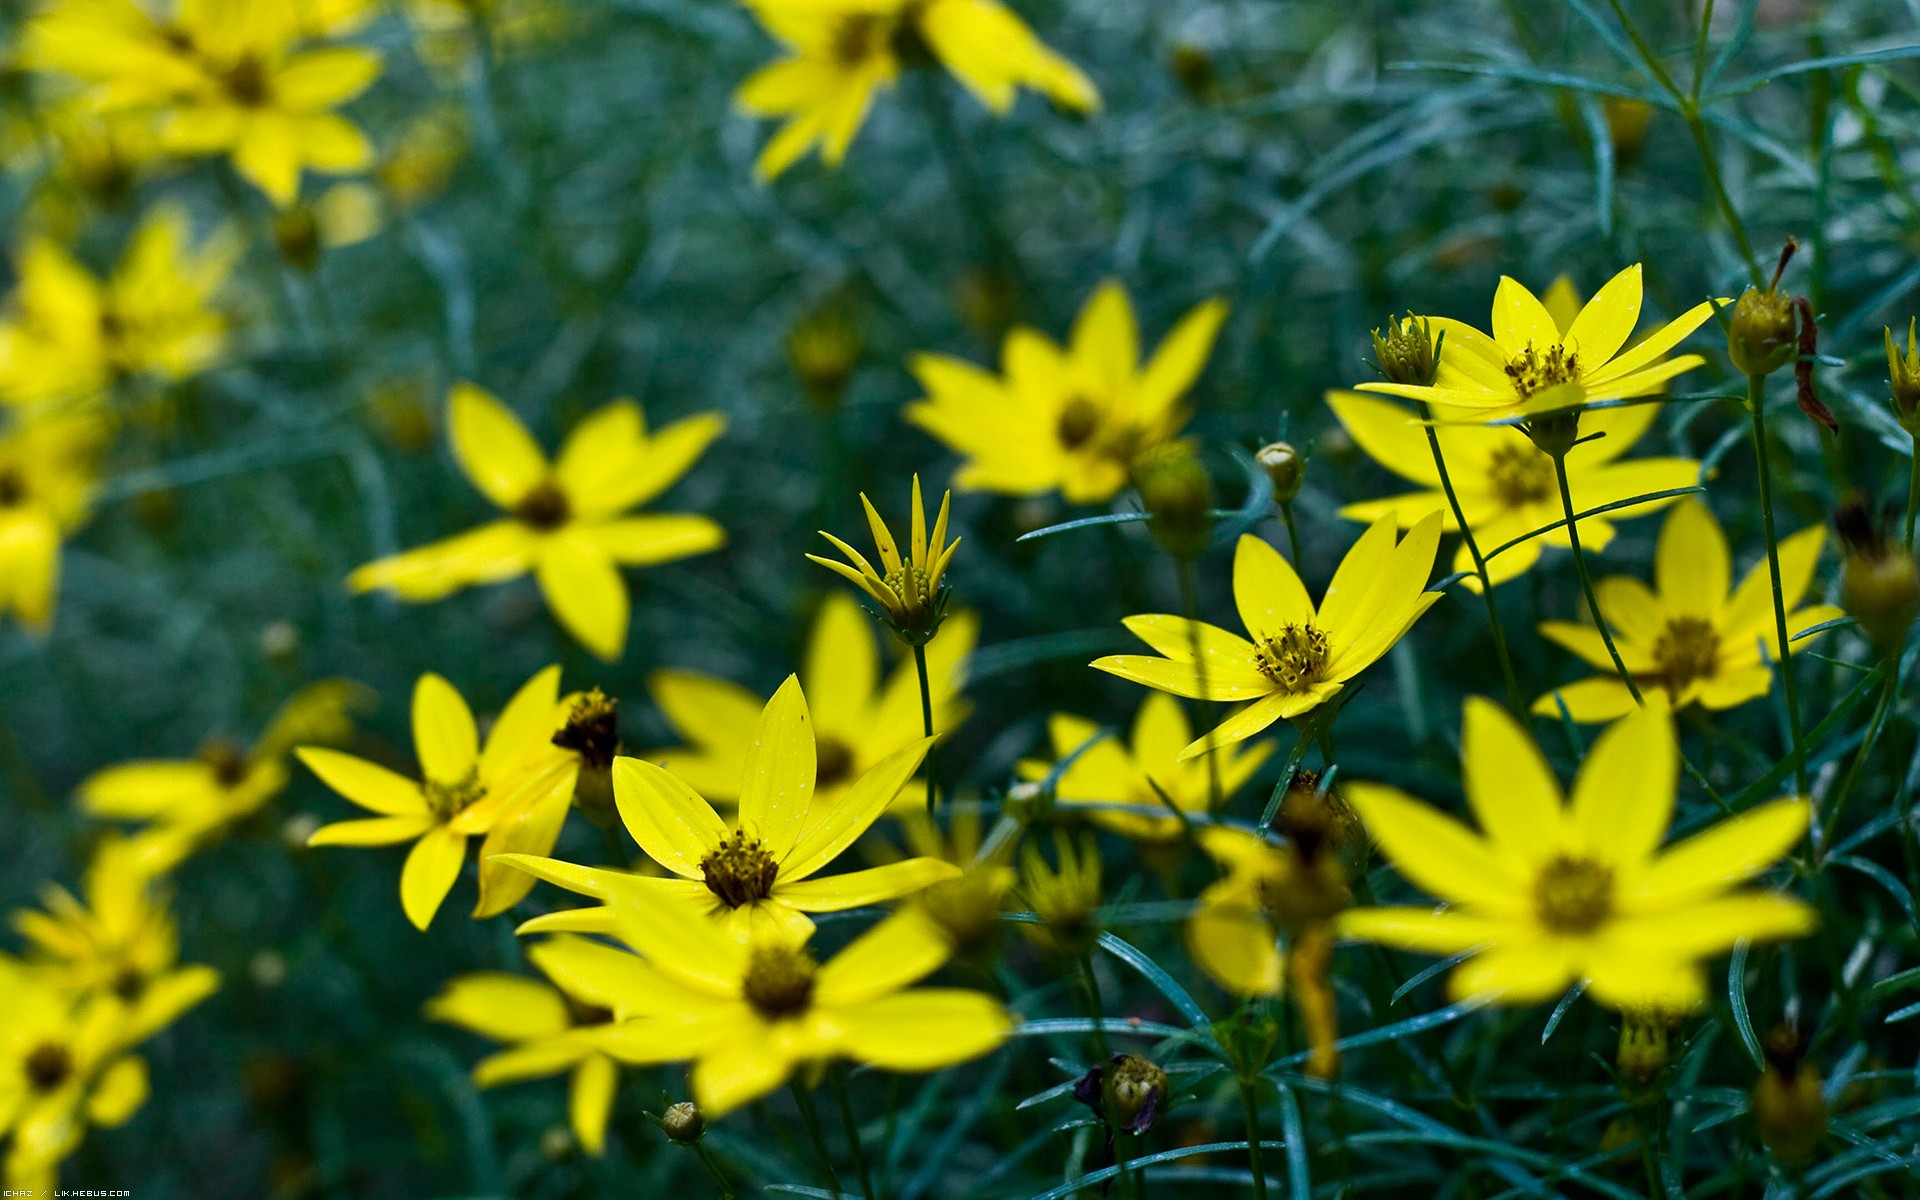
<point x="592" y="730"/>
<point x="835" y="760"/>
<point x="1686" y="650"/>
<point x="779" y="980"/>
<point x="248" y="83"/>
<point x="858" y="38"/>
<point x="228" y="761"/>
<point x="13" y="487"/>
<point x="1573" y="895"/>
<point x="545" y="507"/>
<point x="447" y="800"/>
<point x="740" y="870"/>
<point x="1079" y="421"/>
<point x="1295" y="658"/>
<point x="48" y="1066"/>
<point x="1535" y="371"/>
<point x="1521" y="475"/>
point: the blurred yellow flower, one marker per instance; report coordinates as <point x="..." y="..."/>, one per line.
<point x="857" y="720"/>
<point x="446" y="33"/>
<point x="841" y="52"/>
<point x="910" y="588"/>
<point x="1554" y="893"/>
<point x="1532" y="366"/>
<point x="1232" y="934"/>
<point x="47" y="477"/>
<point x="465" y="788"/>
<point x="1505" y="484"/>
<point x="1693" y="637"/>
<point x="1071" y="419"/>
<point x="1299" y="657"/>
<point x="757" y="874"/>
<point x="1148" y="773"/>
<point x="78" y="160"/>
<point x="749" y="1014"/>
<point x="570" y="524"/>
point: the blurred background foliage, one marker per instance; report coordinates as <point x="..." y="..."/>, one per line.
<point x="591" y="230"/>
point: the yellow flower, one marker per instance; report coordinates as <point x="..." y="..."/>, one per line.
<point x="67" y="336"/>
<point x="63" y="1067"/>
<point x="749" y="1014"/>
<point x="465" y="789"/>
<point x="1554" y="893"/>
<point x="1505" y="484"/>
<point x="1148" y="774"/>
<point x="759" y="873"/>
<point x="841" y="52"/>
<point x="1530" y="366"/>
<point x="447" y="32"/>
<point x="858" y="720"/>
<point x="81" y="159"/>
<point x="1299" y="657"/>
<point x="120" y="945"/>
<point x="547" y="1029"/>
<point x="1693" y="637"/>
<point x="570" y="524"/>
<point x="1072" y="419"/>
<point x="1231" y="934"/>
<point x="47" y="477"/>
<point x="909" y="589"/>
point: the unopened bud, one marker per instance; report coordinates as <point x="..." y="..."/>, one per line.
<point x="1407" y="352"/>
<point x="1128" y="1089"/>
<point x="1284" y="467"/>
<point x="1789" y="1112"/>
<point x="683" y="1123"/>
<point x="1627" y="122"/>
<point x="1762" y="334"/>
<point x="824" y="348"/>
<point x="1879" y="583"/>
<point x="1554" y="433"/>
<point x="1193" y="69"/>
<point x="296" y="231"/>
<point x="1178" y="492"/>
<point x="1903" y="380"/>
<point x="1645" y="1046"/>
<point x="966" y="910"/>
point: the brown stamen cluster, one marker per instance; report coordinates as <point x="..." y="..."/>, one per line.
<point x="592" y="730"/>
<point x="1686" y="650"/>
<point x="1295" y="658"/>
<point x="448" y="799"/>
<point x="1573" y="895"/>
<point x="544" y="507"/>
<point x="248" y="83"/>
<point x="779" y="980"/>
<point x="858" y="38"/>
<point x="228" y="761"/>
<point x="740" y="870"/>
<point x="1521" y="475"/>
<point x="13" y="487"/>
<point x="1536" y="370"/>
<point x="49" y="1066"/>
<point x="1079" y="421"/>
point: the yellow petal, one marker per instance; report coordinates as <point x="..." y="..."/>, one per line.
<point x="669" y="819"/>
<point x="584" y="590"/>
<point x="370" y="786"/>
<point x="1232" y="940"/>
<point x="374" y="831"/>
<point x="1520" y="320"/>
<point x="740" y="1070"/>
<point x="1267" y="590"/>
<point x="843" y="667"/>
<point x="431" y="867"/>
<point x="506" y="1008"/>
<point x="1710" y="927"/>
<point x="826" y="835"/>
<point x="1390" y="435"/>
<point x="1692" y="567"/>
<point x="1606" y="322"/>
<point x="1180" y="358"/>
<point x="924" y="1029"/>
<point x="1522" y="972"/>
<point x="837" y="893"/>
<point x="1623" y="795"/>
<point x="901" y="950"/>
<point x="1256" y="717"/>
<point x="530" y="827"/>
<point x="493" y="448"/>
<point x="1652" y="348"/>
<point x="1589" y="702"/>
<point x="445" y="738"/>
<point x="648" y="541"/>
<point x="1727" y="853"/>
<point x="1424" y="930"/>
<point x="1509" y="785"/>
<point x="590" y="1100"/>
<point x="493" y="553"/>
<point x="1436" y="852"/>
<point x="1106" y="342"/>
<point x="776" y="786"/>
<point x="525" y="727"/>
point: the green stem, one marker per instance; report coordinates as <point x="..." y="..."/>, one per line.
<point x="811" y="1119"/>
<point x="853" y="1129"/>
<point x="1913" y="489"/>
<point x="1190" y="608"/>
<point x="713" y="1169"/>
<point x="1756" y="405"/>
<point x="1251" y="1103"/>
<point x="1287" y="772"/>
<point x="1586" y="581"/>
<point x="1889" y="685"/>
<point x="1514" y="700"/>
<point x="1293" y="535"/>
<point x="926" y="716"/>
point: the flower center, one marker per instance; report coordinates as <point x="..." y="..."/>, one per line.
<point x="858" y="38"/>
<point x="899" y="579"/>
<point x="1294" y="658"/>
<point x="779" y="981"/>
<point x="1686" y="650"/>
<point x="592" y="730"/>
<point x="1535" y="371"/>
<point x="740" y="870"/>
<point x="448" y="799"/>
<point x="227" y="761"/>
<point x="129" y="982"/>
<point x="544" y="507"/>
<point x="1079" y="421"/>
<point x="13" y="488"/>
<point x="1573" y="895"/>
<point x="835" y="760"/>
<point x="248" y="83"/>
<point x="49" y="1066"/>
<point x="1521" y="475"/>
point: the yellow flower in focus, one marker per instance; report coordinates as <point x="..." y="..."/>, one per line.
<point x="749" y="1014"/>
<point x="1299" y="657"/>
<point x="841" y="52"/>
<point x="1553" y="893"/>
<point x="1505" y="484"/>
<point x="909" y="588"/>
<point x="47" y="477"/>
<point x="1530" y="366"/>
<point x="543" y="1025"/>
<point x="1148" y="773"/>
<point x="1071" y="419"/>
<point x="1693" y="637"/>
<point x="67" y="335"/>
<point x="759" y="873"/>
<point x="465" y="788"/>
<point x="570" y="525"/>
<point x="858" y="719"/>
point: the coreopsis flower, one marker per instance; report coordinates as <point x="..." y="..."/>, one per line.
<point x="1554" y="892"/>
<point x="79" y="159"/>
<point x="760" y="872"/>
<point x="464" y="788"/>
<point x="184" y="803"/>
<point x="547" y="1027"/>
<point x="119" y="943"/>
<point x="1071" y="419"/>
<point x="1298" y="657"/>
<point x="910" y="589"/>
<point x="1145" y="772"/>
<point x="47" y="479"/>
<point x="749" y="1014"/>
<point x="842" y="52"/>
<point x="1065" y="895"/>
<point x="1234" y="931"/>
<point x="1531" y="367"/>
<point x="68" y="335"/>
<point x="1693" y="638"/>
<point x="569" y="522"/>
<point x="858" y="718"/>
<point x="1505" y="484"/>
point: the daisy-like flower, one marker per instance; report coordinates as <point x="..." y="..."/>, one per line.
<point x="841" y="52"/>
<point x="1147" y="772"/>
<point x="570" y="523"/>
<point x="1531" y="367"/>
<point x="68" y="335"/>
<point x="858" y="718"/>
<point x="546" y="1028"/>
<point x="1505" y="484"/>
<point x="749" y="1014"/>
<point x="464" y="790"/>
<point x="1552" y="893"/>
<point x="1071" y="419"/>
<point x="47" y="478"/>
<point x="1693" y="637"/>
<point x="760" y="872"/>
<point x="1298" y="657"/>
<point x="910" y="589"/>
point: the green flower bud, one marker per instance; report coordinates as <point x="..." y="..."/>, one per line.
<point x="1177" y="490"/>
<point x="1645" y="1046"/>
<point x="683" y="1123"/>
<point x="1789" y="1112"/>
<point x="1407" y="352"/>
<point x="1879" y="582"/>
<point x="1903" y="378"/>
<point x="1762" y="337"/>
<point x="1284" y="467"/>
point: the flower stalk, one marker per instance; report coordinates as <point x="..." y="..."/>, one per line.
<point x="1756" y="408"/>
